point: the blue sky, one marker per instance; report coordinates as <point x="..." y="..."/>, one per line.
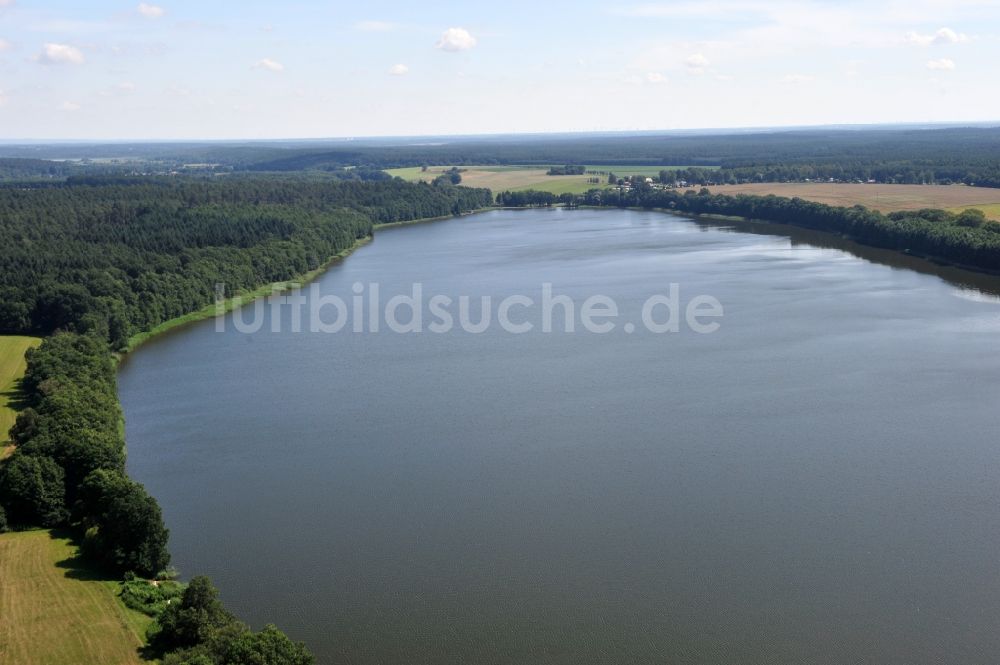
<point x="175" y="69"/>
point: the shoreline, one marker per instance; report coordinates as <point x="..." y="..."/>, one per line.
<point x="843" y="237"/>
<point x="229" y="304"/>
<point x="239" y="299"/>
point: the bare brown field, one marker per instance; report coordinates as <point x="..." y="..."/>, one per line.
<point x="55" y="610"/>
<point x="887" y="198"/>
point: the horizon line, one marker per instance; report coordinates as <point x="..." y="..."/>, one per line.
<point x="942" y="124"/>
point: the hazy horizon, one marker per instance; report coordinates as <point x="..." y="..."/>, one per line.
<point x="693" y="131"/>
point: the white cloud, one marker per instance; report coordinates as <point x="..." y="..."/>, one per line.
<point x="456" y="39"/>
<point x="942" y="36"/>
<point x="696" y="60"/>
<point x="4" y="45"/>
<point x="69" y="106"/>
<point x="150" y="11"/>
<point x="656" y="77"/>
<point x="60" y="54"/>
<point x="270" y="65"/>
<point x="942" y="65"/>
<point x="374" y="26"/>
<point x="3" y="98"/>
<point x="6" y="3"/>
<point x="696" y="63"/>
<point x="797" y="79"/>
<point x="399" y="70"/>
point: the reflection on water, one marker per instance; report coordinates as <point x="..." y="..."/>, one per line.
<point x="817" y="482"/>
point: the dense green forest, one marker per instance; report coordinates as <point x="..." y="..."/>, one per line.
<point x="90" y="262"/>
<point x="120" y="256"/>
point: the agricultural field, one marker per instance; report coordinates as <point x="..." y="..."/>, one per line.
<point x="515" y="178"/>
<point x="12" y="348"/>
<point x="886" y="198"/>
<point x="56" y="610"/>
<point x="992" y="210"/>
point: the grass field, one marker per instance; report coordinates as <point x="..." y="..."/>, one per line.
<point x="54" y="610"/>
<point x="992" y="210"/>
<point x="514" y="178"/>
<point x="12" y="348"/>
<point x="886" y="198"/>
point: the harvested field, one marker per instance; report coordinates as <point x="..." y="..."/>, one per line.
<point x="57" y="610"/>
<point x="886" y="198"/>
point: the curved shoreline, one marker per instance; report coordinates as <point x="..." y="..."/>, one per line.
<point x="240" y="299"/>
<point x="925" y="263"/>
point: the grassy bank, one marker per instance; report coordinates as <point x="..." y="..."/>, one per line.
<point x="12" y="366"/>
<point x="55" y="609"/>
<point x="240" y="299"/>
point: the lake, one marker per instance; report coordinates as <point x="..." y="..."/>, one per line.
<point x="817" y="481"/>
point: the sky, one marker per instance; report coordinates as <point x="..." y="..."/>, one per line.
<point x="256" y="69"/>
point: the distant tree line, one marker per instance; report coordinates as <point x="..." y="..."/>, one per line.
<point x="886" y="155"/>
<point x="938" y="155"/>
<point x="983" y="173"/>
<point x="568" y="169"/>
<point x="526" y="198"/>
<point x="28" y="169"/>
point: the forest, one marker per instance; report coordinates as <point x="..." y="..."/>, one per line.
<point x="120" y="256"/>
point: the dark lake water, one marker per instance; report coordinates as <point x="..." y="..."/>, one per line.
<point x="816" y="482"/>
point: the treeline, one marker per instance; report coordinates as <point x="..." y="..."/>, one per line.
<point x="886" y="155"/>
<point x="26" y="169"/>
<point x="954" y="147"/>
<point x="452" y="176"/>
<point x="526" y="198"/>
<point x="68" y="467"/>
<point x="568" y="169"/>
<point x="192" y="627"/>
<point x="966" y="239"/>
<point x="978" y="173"/>
<point x="117" y="256"/>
